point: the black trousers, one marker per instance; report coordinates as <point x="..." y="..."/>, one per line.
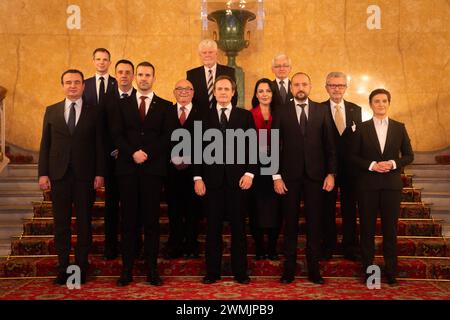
<point x="111" y="210"/>
<point x="221" y="202"/>
<point x="348" y="212"/>
<point x="290" y="206"/>
<point x="140" y="196"/>
<point x="184" y="211"/>
<point x="65" y="192"/>
<point x="387" y="203"/>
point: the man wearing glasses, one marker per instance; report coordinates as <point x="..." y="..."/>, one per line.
<point x="183" y="204"/>
<point x="347" y="118"/>
<point x="281" y="67"/>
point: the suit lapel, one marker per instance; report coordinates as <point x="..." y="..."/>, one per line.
<point x="61" y="119"/>
<point x="389" y="136"/>
<point x="348" y="114"/>
<point x="293" y="114"/>
<point x="83" y="115"/>
<point x="373" y="136"/>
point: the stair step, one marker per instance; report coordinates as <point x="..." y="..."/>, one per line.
<point x="436" y="198"/>
<point x="432" y="184"/>
<point x="413" y="227"/>
<point x="21" y="170"/>
<point x="428" y="170"/>
<point x="407" y="246"/>
<point x="413" y="268"/>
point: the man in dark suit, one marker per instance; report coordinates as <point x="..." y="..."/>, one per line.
<point x="223" y="184"/>
<point x="347" y="118"/>
<point x="124" y="70"/>
<point x="381" y="149"/>
<point x="142" y="137"/>
<point x="183" y="204"/>
<point x="71" y="163"/>
<point x="203" y="78"/>
<point x="307" y="167"/>
<point x="281" y="67"/>
<point x="101" y="85"/>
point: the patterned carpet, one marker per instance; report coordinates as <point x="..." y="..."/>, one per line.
<point x="190" y="288"/>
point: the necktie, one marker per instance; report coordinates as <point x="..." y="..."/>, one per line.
<point x="71" y="120"/>
<point x="339" y="120"/>
<point x="142" y="108"/>
<point x="124" y="95"/>
<point x="101" y="90"/>
<point x="183" y="115"/>
<point x="283" y="92"/>
<point x="210" y="87"/>
<point x="223" y="119"/>
<point x="303" y="119"/>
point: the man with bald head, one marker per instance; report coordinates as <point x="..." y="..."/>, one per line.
<point x="281" y="67"/>
<point x="203" y="78"/>
<point x="307" y="167"/>
<point x="183" y="203"/>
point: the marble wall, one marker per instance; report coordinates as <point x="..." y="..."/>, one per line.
<point x="408" y="53"/>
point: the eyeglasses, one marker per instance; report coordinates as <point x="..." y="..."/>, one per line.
<point x="279" y="66"/>
<point x="336" y="86"/>
<point x="186" y="89"/>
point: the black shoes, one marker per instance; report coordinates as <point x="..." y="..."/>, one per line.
<point x="287" y="278"/>
<point x="61" y="278"/>
<point x="210" y="279"/>
<point x="154" y="279"/>
<point x="316" y="278"/>
<point x="242" y="280"/>
<point x="125" y="279"/>
<point x="391" y="280"/>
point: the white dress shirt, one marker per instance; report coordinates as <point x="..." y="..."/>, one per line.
<point x="213" y="69"/>
<point x="129" y="92"/>
<point x="381" y="127"/>
<point x="147" y="101"/>
<point x="298" y="110"/>
<point x="227" y="113"/>
<point x="78" y="106"/>
<point x="286" y="84"/>
<point x="97" y="82"/>
<point x="333" y="110"/>
<point x="187" y="109"/>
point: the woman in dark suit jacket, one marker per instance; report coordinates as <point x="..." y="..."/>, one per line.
<point x="264" y="206"/>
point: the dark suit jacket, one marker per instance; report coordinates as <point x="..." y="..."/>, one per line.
<point x="90" y="91"/>
<point x="317" y="146"/>
<point x="194" y="115"/>
<point x="83" y="150"/>
<point x="197" y="77"/>
<point x="366" y="149"/>
<point x="151" y="135"/>
<point x="216" y="175"/>
<point x="343" y="143"/>
<point x="276" y="98"/>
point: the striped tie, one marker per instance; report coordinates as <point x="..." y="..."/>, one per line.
<point x="210" y="88"/>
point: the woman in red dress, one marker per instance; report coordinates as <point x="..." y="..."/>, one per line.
<point x="265" y="218"/>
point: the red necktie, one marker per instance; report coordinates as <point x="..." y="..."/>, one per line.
<point x="183" y="115"/>
<point x="142" y="108"/>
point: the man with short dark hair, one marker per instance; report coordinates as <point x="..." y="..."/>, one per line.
<point x="141" y="135"/>
<point x="71" y="164"/>
<point x="124" y="70"/>
<point x="224" y="185"/>
<point x="381" y="149"/>
<point x="101" y="85"/>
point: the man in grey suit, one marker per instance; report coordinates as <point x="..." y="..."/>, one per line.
<point x="71" y="163"/>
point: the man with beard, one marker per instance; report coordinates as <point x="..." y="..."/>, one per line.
<point x="141" y="135"/>
<point x="307" y="166"/>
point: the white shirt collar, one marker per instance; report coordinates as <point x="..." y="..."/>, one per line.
<point x="188" y="106"/>
<point x="129" y="92"/>
<point x="78" y="102"/>
<point x="285" y="81"/>
<point x="228" y="106"/>
<point x="333" y="104"/>
<point x="298" y="102"/>
<point x="97" y="77"/>
<point x="213" y="68"/>
<point x="378" y="122"/>
<point x="149" y="95"/>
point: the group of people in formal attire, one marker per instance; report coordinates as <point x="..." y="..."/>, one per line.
<point x="106" y="132"/>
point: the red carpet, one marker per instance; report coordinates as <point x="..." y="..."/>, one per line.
<point x="177" y="288"/>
